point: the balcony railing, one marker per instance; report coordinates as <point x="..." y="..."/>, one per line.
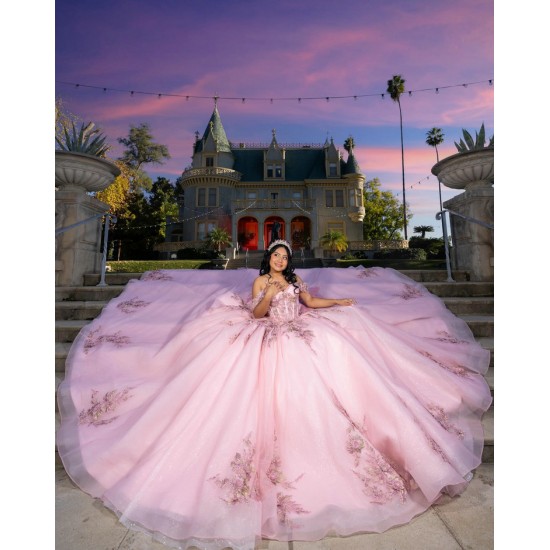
<point x="212" y="171"/>
<point x="240" y="205"/>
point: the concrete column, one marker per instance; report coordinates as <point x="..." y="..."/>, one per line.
<point x="473" y="244"/>
<point x="77" y="250"/>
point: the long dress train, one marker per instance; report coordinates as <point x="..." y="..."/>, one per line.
<point x="205" y="427"/>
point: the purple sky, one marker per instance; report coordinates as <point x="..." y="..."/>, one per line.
<point x="259" y="50"/>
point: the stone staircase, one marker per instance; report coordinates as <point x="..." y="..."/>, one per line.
<point x="472" y="301"/>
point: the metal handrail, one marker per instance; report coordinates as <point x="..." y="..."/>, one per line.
<point x="60" y="230"/>
<point x="108" y="218"/>
<point x="441" y="216"/>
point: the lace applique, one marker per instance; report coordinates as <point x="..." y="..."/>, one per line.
<point x="380" y="480"/>
<point x="156" y="275"/>
<point x="366" y="273"/>
<point x="446" y="337"/>
<point x="441" y="416"/>
<point x="459" y="370"/>
<point x="303" y="287"/>
<point x="243" y="485"/>
<point x="286" y="505"/>
<point x="129" y="306"/>
<point x="432" y="443"/>
<point x="272" y="330"/>
<point x="100" y="407"/>
<point x="93" y="339"/>
<point x="410" y="292"/>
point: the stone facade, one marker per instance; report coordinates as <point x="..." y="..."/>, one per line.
<point x="298" y="191"/>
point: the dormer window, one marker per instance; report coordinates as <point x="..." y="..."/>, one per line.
<point x="209" y="162"/>
<point x="332" y="169"/>
<point x="274" y="171"/>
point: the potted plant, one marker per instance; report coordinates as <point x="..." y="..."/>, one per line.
<point x="333" y="241"/>
<point x="215" y="240"/>
<point x="473" y="165"/>
<point x="80" y="162"/>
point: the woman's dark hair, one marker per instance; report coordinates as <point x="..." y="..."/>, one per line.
<point x="288" y="273"/>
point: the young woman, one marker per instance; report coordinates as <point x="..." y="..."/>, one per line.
<point x="212" y="416"/>
<point x="276" y="275"/>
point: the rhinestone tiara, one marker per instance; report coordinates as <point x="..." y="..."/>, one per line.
<point x="278" y="242"/>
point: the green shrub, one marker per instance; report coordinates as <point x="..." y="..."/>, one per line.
<point x="434" y="247"/>
<point x="401" y="254"/>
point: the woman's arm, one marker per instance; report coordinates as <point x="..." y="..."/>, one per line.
<point x="314" y="302"/>
<point x="271" y="289"/>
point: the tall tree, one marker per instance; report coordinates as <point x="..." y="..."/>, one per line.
<point x="435" y="137"/>
<point x="383" y="219"/>
<point x="141" y="149"/>
<point x="162" y="203"/>
<point x="423" y="229"/>
<point x="396" y="87"/>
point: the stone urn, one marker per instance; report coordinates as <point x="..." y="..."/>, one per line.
<point x="471" y="212"/>
<point x="81" y="172"/>
<point x="468" y="169"/>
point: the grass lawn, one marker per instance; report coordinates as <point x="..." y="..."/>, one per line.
<point x="395" y="264"/>
<point x="140" y="266"/>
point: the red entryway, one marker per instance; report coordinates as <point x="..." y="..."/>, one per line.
<point x="247" y="233"/>
<point x="300" y="233"/>
<point x="273" y="223"/>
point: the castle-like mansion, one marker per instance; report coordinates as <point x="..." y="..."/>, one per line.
<point x="301" y="191"/>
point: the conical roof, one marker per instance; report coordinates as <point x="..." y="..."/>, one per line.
<point x="216" y="131"/>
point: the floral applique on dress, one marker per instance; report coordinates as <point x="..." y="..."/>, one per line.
<point x="410" y="292"/>
<point x="130" y="306"/>
<point x="243" y="484"/>
<point x="380" y="480"/>
<point x="94" y="339"/>
<point x="156" y="275"/>
<point x="93" y="416"/>
<point x="459" y="370"/>
<point x="286" y="505"/>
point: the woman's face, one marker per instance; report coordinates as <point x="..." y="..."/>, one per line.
<point x="278" y="260"/>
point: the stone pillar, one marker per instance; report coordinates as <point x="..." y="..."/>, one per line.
<point x="77" y="250"/>
<point x="473" y="244"/>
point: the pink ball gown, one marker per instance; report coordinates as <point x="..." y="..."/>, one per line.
<point x="205" y="427"/>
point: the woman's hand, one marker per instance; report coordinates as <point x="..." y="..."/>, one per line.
<point x="345" y="301"/>
<point x="273" y="288"/>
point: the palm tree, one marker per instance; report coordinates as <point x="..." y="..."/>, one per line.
<point x="335" y="241"/>
<point x="423" y="229"/>
<point x="435" y="137"/>
<point x="396" y="86"/>
<point x="217" y="238"/>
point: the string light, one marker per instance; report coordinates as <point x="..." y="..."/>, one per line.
<point x="270" y="99"/>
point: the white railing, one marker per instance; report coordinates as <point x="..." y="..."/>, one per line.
<point x="212" y="171"/>
<point x="108" y="218"/>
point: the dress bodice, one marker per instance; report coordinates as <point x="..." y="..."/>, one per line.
<point x="285" y="306"/>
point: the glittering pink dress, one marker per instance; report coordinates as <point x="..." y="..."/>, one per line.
<point x="197" y="423"/>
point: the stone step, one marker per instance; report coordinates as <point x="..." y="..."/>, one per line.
<point x="460" y="289"/>
<point x="426" y="275"/>
<point x="67" y="330"/>
<point x="480" y="325"/>
<point x="87" y="310"/>
<point x="79" y="310"/>
<point x="88" y="293"/>
<point x="488" y="421"/>
<point x="477" y="305"/>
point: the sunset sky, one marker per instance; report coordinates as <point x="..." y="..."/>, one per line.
<point x="283" y="51"/>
